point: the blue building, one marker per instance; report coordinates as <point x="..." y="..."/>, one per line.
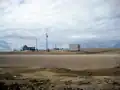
<point x="25" y="47"/>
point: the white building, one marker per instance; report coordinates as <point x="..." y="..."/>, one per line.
<point x="74" y="47"/>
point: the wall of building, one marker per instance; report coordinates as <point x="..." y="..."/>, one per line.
<point x="74" y="47"/>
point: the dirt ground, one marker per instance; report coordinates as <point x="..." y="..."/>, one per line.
<point x="64" y="72"/>
<point x="57" y="79"/>
<point x="74" y="62"/>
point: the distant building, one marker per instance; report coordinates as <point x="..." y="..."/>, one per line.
<point x="74" y="47"/>
<point x="25" y="47"/>
<point x="56" y="48"/>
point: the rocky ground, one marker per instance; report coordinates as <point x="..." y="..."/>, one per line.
<point x="54" y="79"/>
<point x="46" y="84"/>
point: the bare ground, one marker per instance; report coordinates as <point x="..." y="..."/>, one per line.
<point x="60" y="79"/>
<point x="74" y="62"/>
<point x="79" y="72"/>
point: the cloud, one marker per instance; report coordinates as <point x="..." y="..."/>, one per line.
<point x="64" y="20"/>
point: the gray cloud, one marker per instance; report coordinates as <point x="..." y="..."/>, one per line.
<point x="65" y="20"/>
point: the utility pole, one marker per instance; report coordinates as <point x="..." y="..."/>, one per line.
<point x="47" y="42"/>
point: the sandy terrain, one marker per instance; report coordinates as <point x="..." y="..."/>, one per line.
<point x="76" y="62"/>
<point x="80" y="72"/>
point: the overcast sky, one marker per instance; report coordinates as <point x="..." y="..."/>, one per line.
<point x="64" y="20"/>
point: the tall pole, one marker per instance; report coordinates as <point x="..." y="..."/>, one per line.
<point x="36" y="43"/>
<point x="46" y="42"/>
